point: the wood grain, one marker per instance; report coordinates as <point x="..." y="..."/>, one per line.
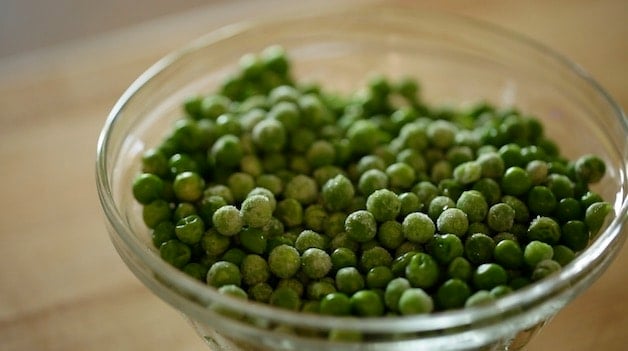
<point x="63" y="286"/>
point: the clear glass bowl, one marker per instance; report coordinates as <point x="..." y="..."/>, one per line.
<point x="457" y="61"/>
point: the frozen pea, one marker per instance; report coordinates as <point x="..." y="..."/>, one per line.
<point x="491" y="164"/>
<point x="214" y="244"/>
<point x="415" y="301"/>
<point x="453" y="221"/>
<point x="219" y="190"/>
<point x="302" y="188"/>
<point x="270" y="182"/>
<point x="372" y="180"/>
<point x="401" y="175"/>
<point x="260" y="292"/>
<point x="373" y="257"/>
<point x="544" y="229"/>
<point x="285" y="297"/>
<point x="472" y="203"/>
<point x="383" y="204"/>
<point x="318" y="289"/>
<point x="394" y="290"/>
<point x="438" y="205"/>
<point x="308" y="239"/>
<point x="361" y="226"/>
<point x="254" y="270"/>
<point x="467" y="172"/>
<point x="537" y="171"/>
<point x="315" y="263"/>
<point x="227" y="220"/>
<point x="284" y="261"/>
<point x="256" y="211"/>
<point x="266" y="193"/>
<point x="337" y="193"/>
<point x="321" y="153"/>
<point x="544" y="269"/>
<point x="590" y="168"/>
<point x="314" y="217"/>
<point x="289" y="212"/>
<point x="269" y="135"/>
<point x="418" y="227"/>
<point x="500" y="217"/>
<point x="409" y="203"/>
<point x="390" y="234"/>
<point x="349" y="280"/>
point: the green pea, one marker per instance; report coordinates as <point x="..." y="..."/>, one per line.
<point x="590" y="168"/>
<point x="468" y="172"/>
<point x="460" y="268"/>
<point x="438" y="205"/>
<point x="156" y="212"/>
<point x="508" y="253"/>
<point x="254" y="270"/>
<point x="147" y="187"/>
<point x="336" y="304"/>
<point x="401" y="175"/>
<point x="595" y="216"/>
<point x="367" y="303"/>
<point x="537" y="251"/>
<point x="453" y="221"/>
<point x="226" y="152"/>
<point x="490" y="189"/>
<point x="422" y="271"/>
<point x="163" y="232"/>
<point x="568" y="209"/>
<point x="445" y="247"/>
<point x="453" y="293"/>
<point x="575" y="235"/>
<point x="349" y="280"/>
<point x="515" y="181"/>
<point x="253" y="240"/>
<point x="302" y="188"/>
<point x="227" y="220"/>
<point x="478" y="248"/>
<point x="541" y="200"/>
<point x="188" y="186"/>
<point x="223" y="273"/>
<point x="175" y="252"/>
<point x="343" y="257"/>
<point x="190" y="229"/>
<point x="563" y="254"/>
<point x="489" y="275"/>
<point x="289" y="212"/>
<point x="215" y="244"/>
<point x="479" y="298"/>
<point x="491" y="164"/>
<point x="390" y="234"/>
<point x="378" y="277"/>
<point x="409" y="203"/>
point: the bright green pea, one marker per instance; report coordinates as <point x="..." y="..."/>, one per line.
<point x="190" y="229"/>
<point x="595" y="216"/>
<point x="336" y="304"/>
<point x="489" y="275"/>
<point x="343" y="257"/>
<point x="378" y="277"/>
<point x="453" y="293"/>
<point x="223" y="273"/>
<point x="422" y="271"/>
<point x="156" y="212"/>
<point x="508" y="253"/>
<point x="349" y="280"/>
<point x="590" y="168"/>
<point x="147" y="188"/>
<point x="537" y="251"/>
<point x="515" y="181"/>
<point x="480" y="297"/>
<point x="367" y="303"/>
<point x="445" y="247"/>
<point x="188" y="186"/>
<point x="479" y="248"/>
<point x="401" y="175"/>
<point x="226" y="152"/>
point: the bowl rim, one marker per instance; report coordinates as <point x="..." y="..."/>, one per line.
<point x="528" y="296"/>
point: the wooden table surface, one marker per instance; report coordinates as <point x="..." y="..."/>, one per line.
<point x="63" y="286"/>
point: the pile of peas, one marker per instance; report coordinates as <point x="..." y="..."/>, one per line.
<point x="365" y="205"/>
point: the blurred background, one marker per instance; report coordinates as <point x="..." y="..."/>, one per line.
<point x="27" y="25"/>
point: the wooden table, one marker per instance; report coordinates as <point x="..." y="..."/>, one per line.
<point x="62" y="285"/>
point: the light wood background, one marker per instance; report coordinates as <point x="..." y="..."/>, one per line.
<point x="63" y="286"/>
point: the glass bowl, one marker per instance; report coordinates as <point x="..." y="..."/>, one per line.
<point x="457" y="61"/>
